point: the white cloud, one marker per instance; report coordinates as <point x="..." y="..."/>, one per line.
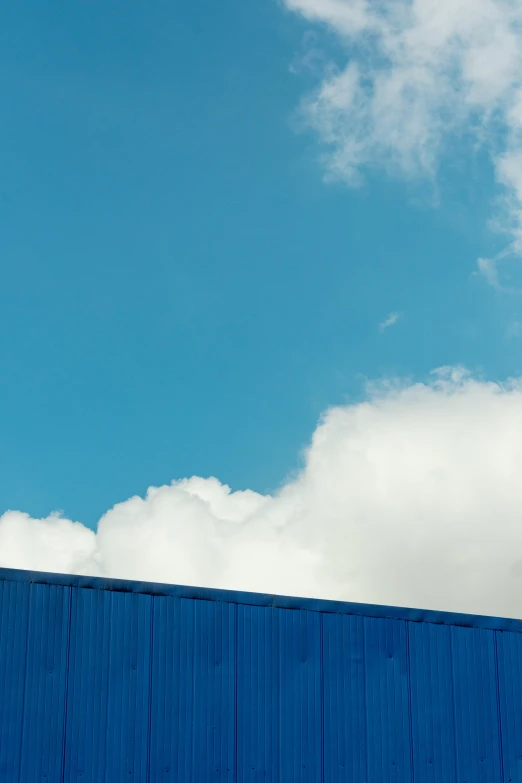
<point x="412" y="497"/>
<point x="417" y="75"/>
<point x="514" y="329"/>
<point x="487" y="268"/>
<point x="390" y="320"/>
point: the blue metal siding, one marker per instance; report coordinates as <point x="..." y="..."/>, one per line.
<point x="344" y="699"/>
<point x="213" y="684"/>
<point x="387" y="700"/>
<point x="128" y="697"/>
<point x="14" y="618"/>
<point x="509" y="661"/>
<point x="172" y="696"/>
<point x="432" y="708"/>
<point x="258" y="714"/>
<point x="300" y="696"/>
<point x="476" y="708"/>
<point x="86" y="725"/>
<point x="105" y="682"/>
<point x="45" y="684"/>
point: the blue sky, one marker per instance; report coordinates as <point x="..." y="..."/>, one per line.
<point x="181" y="291"/>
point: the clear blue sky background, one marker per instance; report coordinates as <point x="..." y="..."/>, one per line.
<point x="180" y="292"/>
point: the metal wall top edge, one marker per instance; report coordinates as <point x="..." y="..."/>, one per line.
<point x="260" y="599"/>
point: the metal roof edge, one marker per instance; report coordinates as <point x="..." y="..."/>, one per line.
<point x="262" y="599"/>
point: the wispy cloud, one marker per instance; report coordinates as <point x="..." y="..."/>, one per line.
<point x="514" y="329"/>
<point x="311" y="57"/>
<point x="487" y="269"/>
<point x="390" y="320"/>
<point x="413" y="75"/>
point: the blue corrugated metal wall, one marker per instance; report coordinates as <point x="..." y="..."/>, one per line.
<point x="147" y="683"/>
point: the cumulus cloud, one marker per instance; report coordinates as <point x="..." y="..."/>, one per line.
<point x="416" y="76"/>
<point x="412" y="497"/>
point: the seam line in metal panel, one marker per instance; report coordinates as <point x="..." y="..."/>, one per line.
<point x="151" y="657"/>
<point x="366" y="713"/>
<point x="276" y="643"/>
<point x="66" y="694"/>
<point x="192" y="738"/>
<point x="236" y="666"/>
<point x="454" y="732"/>
<point x="107" y="699"/>
<point x="321" y="681"/>
<point x="499" y="712"/>
<point x="410" y="711"/>
<point x="22" y="723"/>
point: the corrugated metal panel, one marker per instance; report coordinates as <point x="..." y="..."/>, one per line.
<point x="128" y="694"/>
<point x="389" y="748"/>
<point x="475" y="691"/>
<point x="509" y="662"/>
<point x="172" y="697"/>
<point x="214" y="689"/>
<point x="45" y="684"/>
<point x="258" y="713"/>
<point x="88" y="686"/>
<point x="14" y="617"/>
<point x="432" y="707"/>
<point x="177" y="685"/>
<point x="344" y="699"/>
<point x="300" y="698"/>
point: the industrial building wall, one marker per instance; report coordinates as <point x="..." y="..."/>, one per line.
<point x="147" y="683"/>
